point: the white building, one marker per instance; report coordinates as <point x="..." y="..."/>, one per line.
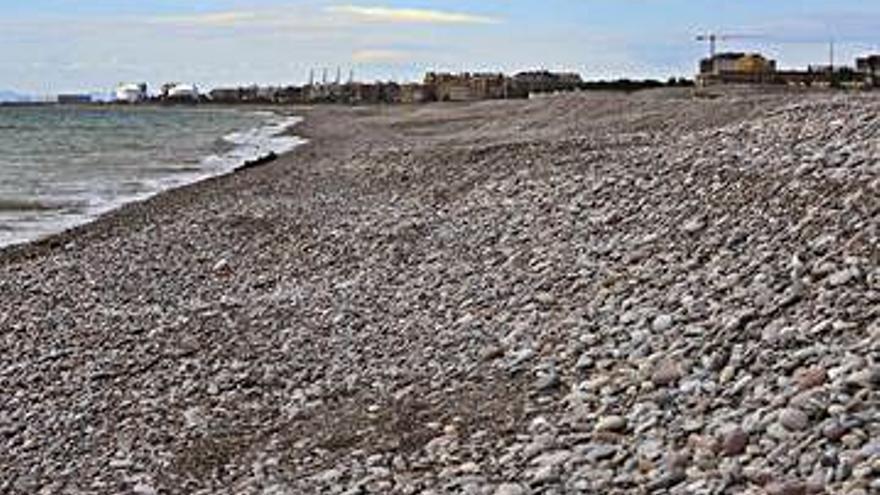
<point x="131" y="93"/>
<point x="183" y="92"/>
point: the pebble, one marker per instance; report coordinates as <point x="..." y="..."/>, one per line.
<point x="601" y="452"/>
<point x="662" y="323"/>
<point x="510" y="489"/>
<point x="584" y="362"/>
<point x="666" y="373"/>
<point x="811" y="377"/>
<point x="221" y="266"/>
<point x="548" y="379"/>
<point x="793" y="419"/>
<point x="666" y="481"/>
<point x="866" y="378"/>
<point x="143" y="489"/>
<point x="843" y="277"/>
<point x="734" y="441"/>
<point x="834" y="430"/>
<point x="611" y="423"/>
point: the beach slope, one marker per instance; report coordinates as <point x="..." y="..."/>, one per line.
<point x="579" y="294"/>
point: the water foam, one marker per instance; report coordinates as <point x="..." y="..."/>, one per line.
<point x="273" y="136"/>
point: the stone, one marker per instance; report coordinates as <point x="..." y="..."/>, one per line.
<point x="693" y="225"/>
<point x="544" y="473"/>
<point x="811" y="377"/>
<point x="612" y="423"/>
<point x="509" y="489"/>
<point x="834" y="430"/>
<point x="142" y="488"/>
<point x="601" y="452"/>
<point x="662" y="323"/>
<point x="727" y="375"/>
<point x="193" y="417"/>
<point x="667" y="372"/>
<point x="677" y="460"/>
<point x="120" y="463"/>
<point x="547" y="380"/>
<point x="222" y="266"/>
<point x="492" y="353"/>
<point x="793" y="419"/>
<point x="667" y="480"/>
<point x="843" y="277"/>
<point x="554" y="458"/>
<point x="520" y="357"/>
<point x="584" y="363"/>
<point x="786" y="488"/>
<point x="865" y="378"/>
<point x="328" y="476"/>
<point x="734" y="441"/>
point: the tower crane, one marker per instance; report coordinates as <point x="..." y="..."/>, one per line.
<point x="713" y="40"/>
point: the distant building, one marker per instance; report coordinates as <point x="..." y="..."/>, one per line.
<point x="184" y="93"/>
<point x="869" y="68"/>
<point x="545" y="82"/>
<point x="736" y="68"/>
<point x="74" y="99"/>
<point x="225" y="95"/>
<point x="416" y="93"/>
<point x="364" y="93"/>
<point x="753" y="68"/>
<point x="737" y="63"/>
<point x="389" y="92"/>
<point x="258" y="94"/>
<point x="131" y="93"/>
<point x="165" y="89"/>
<point x="467" y="86"/>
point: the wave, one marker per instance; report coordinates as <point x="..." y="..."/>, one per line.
<point x="30" y="205"/>
<point x="40" y="217"/>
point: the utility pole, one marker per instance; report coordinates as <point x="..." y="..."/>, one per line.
<point x="831" y="55"/>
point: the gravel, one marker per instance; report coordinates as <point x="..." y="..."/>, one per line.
<point x="577" y="294"/>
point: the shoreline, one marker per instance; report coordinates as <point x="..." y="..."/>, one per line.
<point x="486" y="297"/>
<point x="76" y="226"/>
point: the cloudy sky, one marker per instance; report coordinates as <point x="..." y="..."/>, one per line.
<point x="49" y="46"/>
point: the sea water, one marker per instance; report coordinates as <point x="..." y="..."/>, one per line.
<point x="62" y="166"/>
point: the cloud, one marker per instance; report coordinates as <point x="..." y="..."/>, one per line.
<point x="409" y="16"/>
<point x="211" y="19"/>
<point x="379" y="56"/>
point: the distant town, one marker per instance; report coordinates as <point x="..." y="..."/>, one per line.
<point x="755" y="68"/>
<point x="716" y="69"/>
<point x="434" y="87"/>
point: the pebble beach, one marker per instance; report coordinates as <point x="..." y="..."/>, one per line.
<point x="592" y="293"/>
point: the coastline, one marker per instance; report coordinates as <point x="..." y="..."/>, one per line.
<point x="75" y="226"/>
<point x="497" y="296"/>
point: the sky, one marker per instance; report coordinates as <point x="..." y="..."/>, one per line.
<point x="52" y="46"/>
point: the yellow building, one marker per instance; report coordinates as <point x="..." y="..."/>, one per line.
<point x="753" y="63"/>
<point x="739" y="68"/>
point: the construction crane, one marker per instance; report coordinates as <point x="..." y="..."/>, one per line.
<point x="713" y="40"/>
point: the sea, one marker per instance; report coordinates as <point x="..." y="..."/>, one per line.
<point x="62" y="166"/>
